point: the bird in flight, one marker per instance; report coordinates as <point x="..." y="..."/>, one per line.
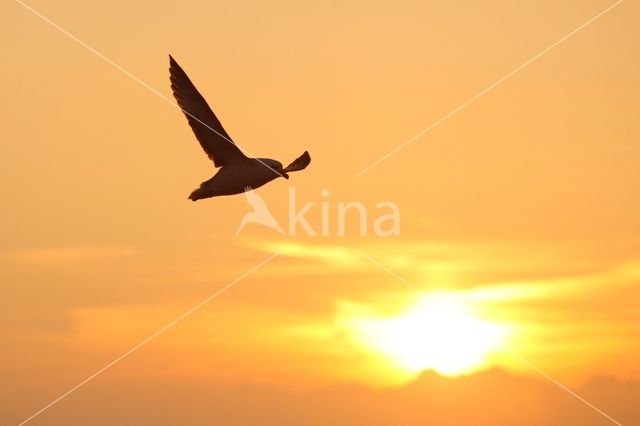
<point x="237" y="171"/>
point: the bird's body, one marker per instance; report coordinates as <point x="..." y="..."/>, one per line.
<point x="235" y="177"/>
<point x="237" y="171"/>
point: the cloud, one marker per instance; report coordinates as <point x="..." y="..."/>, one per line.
<point x="325" y="253"/>
<point x="59" y="255"/>
<point x="492" y="397"/>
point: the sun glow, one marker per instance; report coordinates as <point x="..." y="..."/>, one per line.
<point x="441" y="332"/>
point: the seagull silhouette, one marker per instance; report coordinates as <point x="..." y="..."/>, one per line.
<point x="237" y="171"/>
<point x="260" y="214"/>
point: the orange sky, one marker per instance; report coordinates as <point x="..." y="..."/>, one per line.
<point x="524" y="204"/>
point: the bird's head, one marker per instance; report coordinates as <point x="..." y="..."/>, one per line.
<point x="274" y="165"/>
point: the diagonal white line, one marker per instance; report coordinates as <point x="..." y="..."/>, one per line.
<point x="136" y="347"/>
<point x="561" y="386"/>
<point x="389" y="271"/>
<point x="131" y="76"/>
<point x="518" y="357"/>
<point x="496" y="83"/>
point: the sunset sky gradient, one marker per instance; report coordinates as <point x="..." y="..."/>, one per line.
<point x="521" y="209"/>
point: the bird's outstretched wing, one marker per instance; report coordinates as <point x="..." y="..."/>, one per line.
<point x="215" y="141"/>
<point x="299" y="163"/>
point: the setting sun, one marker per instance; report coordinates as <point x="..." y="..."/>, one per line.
<point x="441" y="332"/>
